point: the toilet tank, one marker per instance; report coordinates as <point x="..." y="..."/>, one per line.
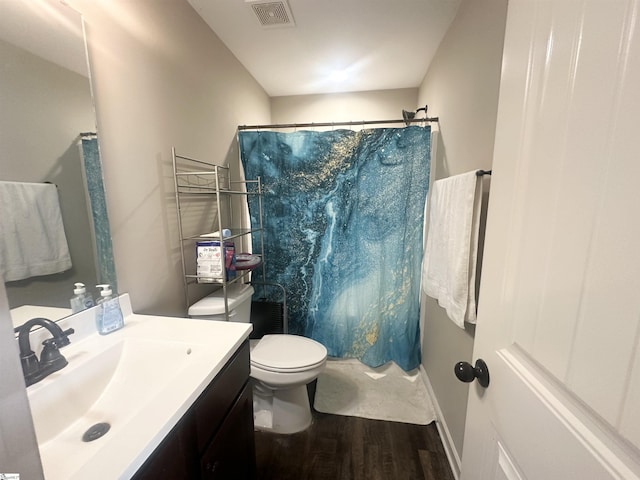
<point x="211" y="307"/>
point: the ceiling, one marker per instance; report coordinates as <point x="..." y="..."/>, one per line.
<point x="333" y="45"/>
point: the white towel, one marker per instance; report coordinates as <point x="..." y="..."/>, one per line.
<point x="449" y="264"/>
<point x="32" y="238"/>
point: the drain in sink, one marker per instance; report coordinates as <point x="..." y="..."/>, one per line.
<point x="95" y="432"/>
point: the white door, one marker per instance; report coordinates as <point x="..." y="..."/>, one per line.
<point x="559" y="311"/>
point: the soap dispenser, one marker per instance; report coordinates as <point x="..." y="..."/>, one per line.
<point x="81" y="299"/>
<point x="109" y="315"/>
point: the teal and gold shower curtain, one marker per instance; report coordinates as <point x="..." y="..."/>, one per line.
<point x="343" y="223"/>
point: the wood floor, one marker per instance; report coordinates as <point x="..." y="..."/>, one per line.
<point x="351" y="448"/>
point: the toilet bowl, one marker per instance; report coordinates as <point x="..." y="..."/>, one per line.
<point x="281" y="365"/>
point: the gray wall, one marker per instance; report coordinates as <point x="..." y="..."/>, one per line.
<point x="336" y="107"/>
<point x="461" y="88"/>
<point x="161" y="79"/>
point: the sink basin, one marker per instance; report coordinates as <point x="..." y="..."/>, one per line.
<point x="139" y="380"/>
<point x="108" y="386"/>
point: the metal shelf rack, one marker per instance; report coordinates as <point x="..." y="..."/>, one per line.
<point x="206" y="204"/>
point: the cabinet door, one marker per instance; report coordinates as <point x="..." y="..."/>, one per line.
<point x="211" y="408"/>
<point x="175" y="458"/>
<point x="231" y="453"/>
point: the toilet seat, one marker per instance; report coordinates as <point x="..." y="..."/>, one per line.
<point x="268" y="368"/>
<point x="288" y="354"/>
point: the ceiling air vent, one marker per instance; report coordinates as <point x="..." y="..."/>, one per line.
<point x="272" y="14"/>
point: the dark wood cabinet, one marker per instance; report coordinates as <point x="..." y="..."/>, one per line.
<point x="228" y="456"/>
<point x="214" y="439"/>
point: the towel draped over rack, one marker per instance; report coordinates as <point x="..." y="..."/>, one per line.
<point x="449" y="263"/>
<point x="33" y="241"/>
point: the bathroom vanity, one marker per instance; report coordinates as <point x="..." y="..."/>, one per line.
<point x="173" y="394"/>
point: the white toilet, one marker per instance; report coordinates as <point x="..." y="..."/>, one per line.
<point x="281" y="365"/>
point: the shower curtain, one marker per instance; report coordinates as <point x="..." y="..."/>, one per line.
<point x="343" y="223"/>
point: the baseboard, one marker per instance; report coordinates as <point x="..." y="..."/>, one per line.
<point x="443" y="430"/>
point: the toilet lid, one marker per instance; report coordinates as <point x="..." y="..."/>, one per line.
<point x="287" y="353"/>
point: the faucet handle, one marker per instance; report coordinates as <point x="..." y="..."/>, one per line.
<point x="51" y="355"/>
<point x="50" y="348"/>
<point x="62" y="339"/>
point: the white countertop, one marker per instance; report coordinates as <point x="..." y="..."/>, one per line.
<point x="140" y="420"/>
<point x="20" y="315"/>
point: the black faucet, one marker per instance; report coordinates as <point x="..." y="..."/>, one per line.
<point x="51" y="360"/>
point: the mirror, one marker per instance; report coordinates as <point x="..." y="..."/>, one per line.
<point x="46" y="106"/>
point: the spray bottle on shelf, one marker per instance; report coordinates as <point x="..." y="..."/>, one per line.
<point x="81" y="299"/>
<point x="229" y="254"/>
<point x="109" y="315"/>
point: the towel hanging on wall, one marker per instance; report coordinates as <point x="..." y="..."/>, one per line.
<point x="33" y="241"/>
<point x="449" y="263"/>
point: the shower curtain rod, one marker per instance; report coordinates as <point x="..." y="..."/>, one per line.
<point x="334" y="124"/>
